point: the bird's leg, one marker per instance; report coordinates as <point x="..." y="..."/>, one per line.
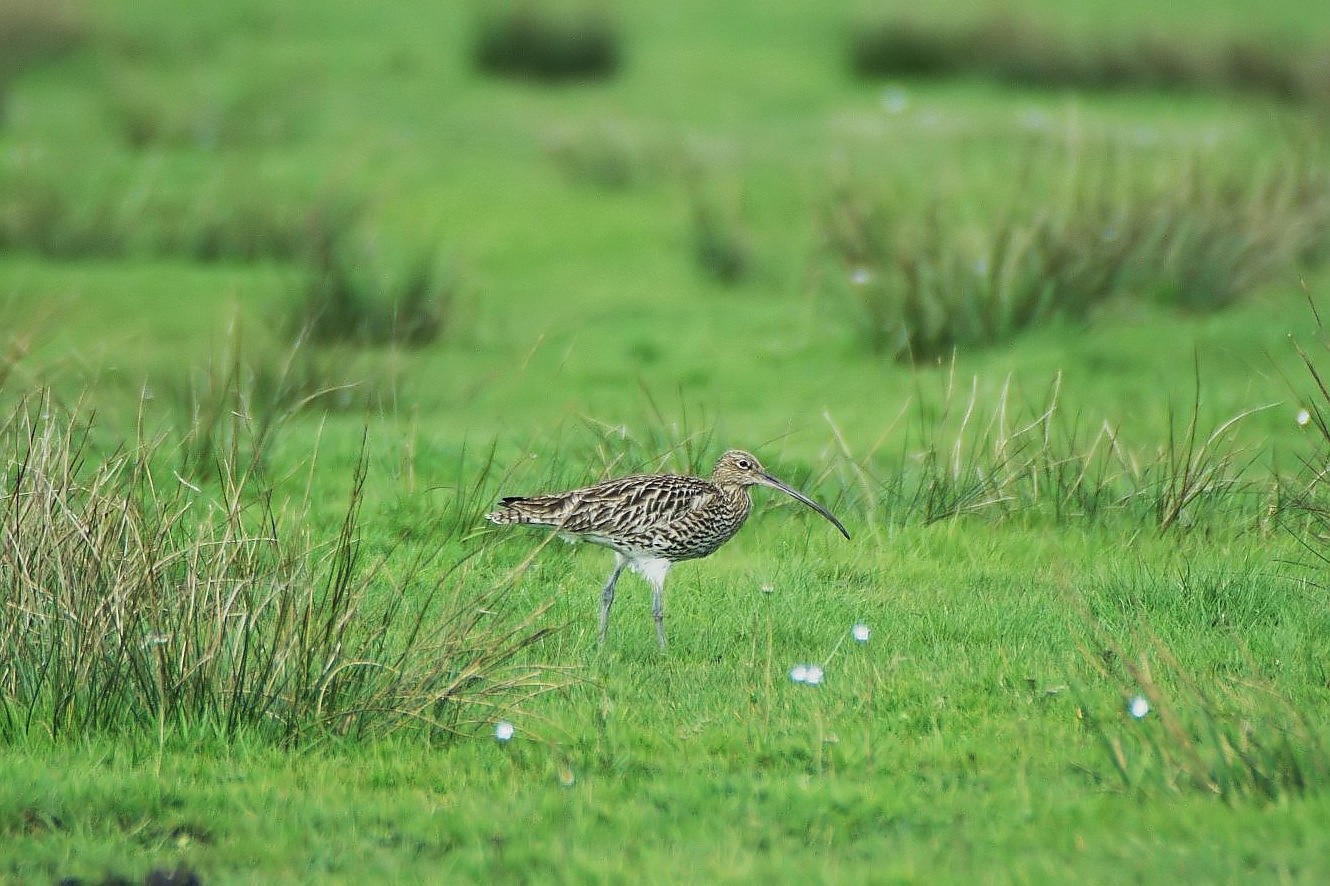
<point x="658" y="606"/>
<point x="607" y="596"/>
<point x="654" y="571"/>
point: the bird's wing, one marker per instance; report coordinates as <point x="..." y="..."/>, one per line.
<point x="632" y="505"/>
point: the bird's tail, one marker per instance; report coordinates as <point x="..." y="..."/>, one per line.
<point x="535" y="510"/>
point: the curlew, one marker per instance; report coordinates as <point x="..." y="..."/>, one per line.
<point x="652" y="521"/>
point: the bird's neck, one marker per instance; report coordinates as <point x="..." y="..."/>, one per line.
<point x="738" y="498"/>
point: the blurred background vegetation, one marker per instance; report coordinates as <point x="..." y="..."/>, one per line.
<point x="1029" y="293"/>
<point x="512" y="175"/>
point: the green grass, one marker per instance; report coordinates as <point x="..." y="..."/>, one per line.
<point x="980" y="734"/>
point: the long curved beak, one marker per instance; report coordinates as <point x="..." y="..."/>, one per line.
<point x="768" y="480"/>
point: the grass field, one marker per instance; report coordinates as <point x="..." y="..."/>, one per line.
<point x="256" y="628"/>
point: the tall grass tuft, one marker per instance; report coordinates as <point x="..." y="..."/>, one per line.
<point x="1022" y="453"/>
<point x="1192" y="471"/>
<point x="247" y="227"/>
<point x="1015" y="455"/>
<point x="67" y="217"/>
<point x="536" y="41"/>
<point x="1019" y="52"/>
<point x="925" y="284"/>
<point x="348" y="300"/>
<point x="1307" y="498"/>
<point x="230" y="408"/>
<point x="135" y="601"/>
<point x="150" y="111"/>
<point x="1169" y="730"/>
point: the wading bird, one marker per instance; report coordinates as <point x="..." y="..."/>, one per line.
<point x="652" y="521"/>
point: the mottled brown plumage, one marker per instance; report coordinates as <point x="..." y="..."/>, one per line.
<point x="653" y="520"/>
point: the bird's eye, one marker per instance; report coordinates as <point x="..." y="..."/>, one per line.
<point x="744" y="464"/>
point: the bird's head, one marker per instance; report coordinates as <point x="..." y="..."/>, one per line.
<point x="742" y="469"/>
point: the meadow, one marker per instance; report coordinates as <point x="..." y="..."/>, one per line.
<point x="1033" y="301"/>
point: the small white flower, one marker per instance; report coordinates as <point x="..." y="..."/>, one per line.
<point x="860" y="632"/>
<point x="767" y="588"/>
<point x="861" y="276"/>
<point x="815" y="675"/>
<point x="895" y="99"/>
<point x="1138" y="707"/>
<point x="503" y="730"/>
<point x="799" y="673"/>
<point x="1303" y="418"/>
